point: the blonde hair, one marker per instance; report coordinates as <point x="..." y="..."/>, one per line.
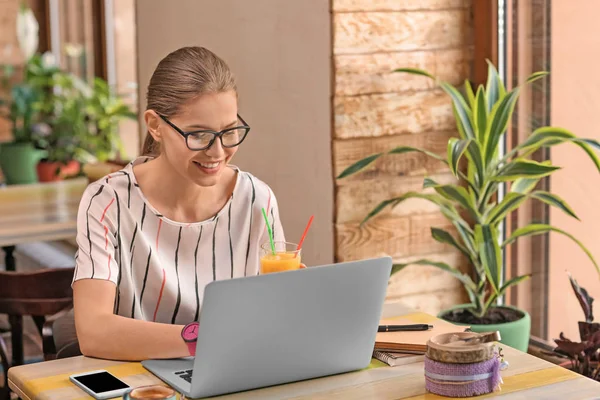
<point x="180" y="77"/>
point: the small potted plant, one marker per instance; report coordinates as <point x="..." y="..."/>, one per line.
<point x="472" y="203"/>
<point x="64" y="128"/>
<point x="105" y="110"/>
<point x="584" y="356"/>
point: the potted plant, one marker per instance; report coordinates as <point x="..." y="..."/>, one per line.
<point x="584" y="356"/>
<point x="64" y="129"/>
<point x="105" y="111"/>
<point x="472" y="204"/>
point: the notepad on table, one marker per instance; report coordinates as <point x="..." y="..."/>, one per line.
<point x="397" y="359"/>
<point x="415" y="341"/>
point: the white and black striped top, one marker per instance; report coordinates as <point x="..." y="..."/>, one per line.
<point x="161" y="266"/>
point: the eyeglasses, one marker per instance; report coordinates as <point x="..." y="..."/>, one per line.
<point x="203" y="139"/>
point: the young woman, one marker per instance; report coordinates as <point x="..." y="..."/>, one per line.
<point x="154" y="234"/>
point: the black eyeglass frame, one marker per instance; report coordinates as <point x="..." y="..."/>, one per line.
<point x="215" y="134"/>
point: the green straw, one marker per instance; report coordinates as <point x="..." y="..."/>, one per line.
<point x="269" y="230"/>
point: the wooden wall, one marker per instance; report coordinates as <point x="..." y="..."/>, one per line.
<point x="375" y="110"/>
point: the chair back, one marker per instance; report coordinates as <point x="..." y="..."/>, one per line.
<point x="38" y="293"/>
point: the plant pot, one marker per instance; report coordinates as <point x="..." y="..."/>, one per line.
<point x="514" y="334"/>
<point x="57" y="171"/>
<point x="18" y="162"/>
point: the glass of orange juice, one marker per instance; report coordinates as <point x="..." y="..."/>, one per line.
<point x="286" y="257"/>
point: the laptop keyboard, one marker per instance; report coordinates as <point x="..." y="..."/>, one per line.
<point x="185" y="375"/>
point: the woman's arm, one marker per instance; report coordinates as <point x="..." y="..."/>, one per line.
<point x="102" y="334"/>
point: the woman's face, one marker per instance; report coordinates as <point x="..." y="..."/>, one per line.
<point x="215" y="112"/>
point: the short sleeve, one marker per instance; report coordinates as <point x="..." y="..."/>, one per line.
<point x="96" y="239"/>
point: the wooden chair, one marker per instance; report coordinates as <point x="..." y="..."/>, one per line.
<point x="38" y="294"/>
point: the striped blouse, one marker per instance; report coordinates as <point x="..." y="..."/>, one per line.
<point x="160" y="267"/>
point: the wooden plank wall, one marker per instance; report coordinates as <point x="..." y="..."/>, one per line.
<point x="375" y="110"/>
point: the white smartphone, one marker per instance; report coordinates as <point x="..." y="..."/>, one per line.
<point x="100" y="384"/>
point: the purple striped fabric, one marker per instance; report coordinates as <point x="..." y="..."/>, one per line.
<point x="462" y="380"/>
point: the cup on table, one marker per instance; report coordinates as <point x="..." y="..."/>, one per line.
<point x="152" y="392"/>
<point x="286" y="257"/>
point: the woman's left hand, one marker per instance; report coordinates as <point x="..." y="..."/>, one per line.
<point x="302" y="266"/>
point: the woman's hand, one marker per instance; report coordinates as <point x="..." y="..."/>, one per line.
<point x="302" y="266"/>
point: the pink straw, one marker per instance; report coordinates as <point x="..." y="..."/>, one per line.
<point x="305" y="232"/>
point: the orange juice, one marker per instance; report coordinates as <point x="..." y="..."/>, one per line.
<point x="279" y="262"/>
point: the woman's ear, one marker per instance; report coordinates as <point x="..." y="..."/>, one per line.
<point x="152" y="124"/>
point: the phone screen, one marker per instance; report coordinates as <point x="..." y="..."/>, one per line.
<point x="101" y="382"/>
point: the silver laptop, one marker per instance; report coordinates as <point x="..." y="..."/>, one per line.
<point x="283" y="327"/>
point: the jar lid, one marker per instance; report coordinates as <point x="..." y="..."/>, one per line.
<point x="463" y="347"/>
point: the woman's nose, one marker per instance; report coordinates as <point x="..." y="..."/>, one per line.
<point x="216" y="150"/>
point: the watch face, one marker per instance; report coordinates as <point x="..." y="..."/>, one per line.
<point x="190" y="332"/>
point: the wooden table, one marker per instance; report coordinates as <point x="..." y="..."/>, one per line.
<point x="527" y="377"/>
<point x="38" y="212"/>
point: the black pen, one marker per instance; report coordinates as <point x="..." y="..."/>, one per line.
<point x="404" y="328"/>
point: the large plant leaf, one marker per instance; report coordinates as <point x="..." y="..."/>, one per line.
<point x="432" y="197"/>
<point x="514" y="281"/>
<point x="456" y="149"/>
<point x="380" y="207"/>
<point x="429" y="183"/>
<point x="540" y="229"/>
<point x="545" y="133"/>
<point x="524" y="185"/>
<point x="499" y="118"/>
<point x="460" y="195"/>
<point x="480" y="115"/>
<point x="494" y="88"/>
<point x="359" y="165"/>
<point x="487" y="193"/>
<point x="585" y="300"/>
<point x="478" y="168"/>
<point x="365" y="162"/>
<point x="415" y="71"/>
<point x="466" y="235"/>
<point x="536" y="75"/>
<point x="443" y="236"/>
<point x="464" y="278"/>
<point x="584" y="144"/>
<point x="509" y="203"/>
<point x="573" y="350"/>
<point x="409" y="149"/>
<point x="524" y="169"/>
<point x="486" y="237"/>
<point x="462" y="110"/>
<point x="555" y="201"/>
<point x="551" y="136"/>
<point x="470" y="96"/>
<point x="591" y="142"/>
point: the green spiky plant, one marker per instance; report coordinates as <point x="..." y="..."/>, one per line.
<point x="471" y="204"/>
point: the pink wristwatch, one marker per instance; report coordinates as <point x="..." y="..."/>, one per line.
<point x="189" y="334"/>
